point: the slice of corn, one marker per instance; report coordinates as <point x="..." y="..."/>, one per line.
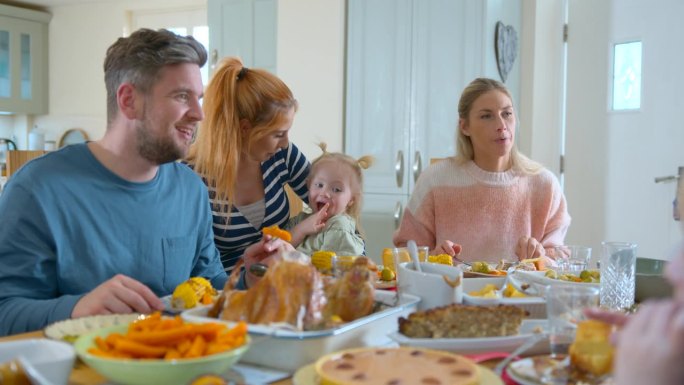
<point x="323" y="260"/>
<point x="194" y="291"/>
<point x="444" y="259"/>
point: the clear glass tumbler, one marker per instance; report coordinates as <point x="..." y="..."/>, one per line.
<point x="572" y="258"/>
<point x="618" y="266"/>
<point x="565" y="306"/>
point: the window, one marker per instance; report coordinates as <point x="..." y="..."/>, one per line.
<point x="182" y="21"/>
<point x="627" y="76"/>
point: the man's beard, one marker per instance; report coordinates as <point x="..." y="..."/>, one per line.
<point x="158" y="150"/>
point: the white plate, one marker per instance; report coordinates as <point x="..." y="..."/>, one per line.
<point x="534" y="279"/>
<point x="479" y="345"/>
<point x="529" y="371"/>
<point x="170" y="309"/>
<point x="306" y="375"/>
<point x="69" y="329"/>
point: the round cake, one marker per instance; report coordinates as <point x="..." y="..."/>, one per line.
<point x="396" y="366"/>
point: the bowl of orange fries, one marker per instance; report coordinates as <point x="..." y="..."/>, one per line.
<point x="162" y="350"/>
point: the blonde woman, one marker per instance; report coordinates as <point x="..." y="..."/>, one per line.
<point x="489" y="201"/>
<point x="243" y="154"/>
<point x="335" y="197"/>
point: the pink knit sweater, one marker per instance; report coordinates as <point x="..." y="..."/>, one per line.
<point x="485" y="212"/>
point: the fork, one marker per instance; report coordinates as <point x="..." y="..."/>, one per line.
<point x="499" y="368"/>
<point x="462" y="261"/>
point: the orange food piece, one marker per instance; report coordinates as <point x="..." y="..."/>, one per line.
<point x="170" y="338"/>
<point x="277" y="232"/>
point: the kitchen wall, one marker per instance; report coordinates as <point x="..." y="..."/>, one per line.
<point x="77" y="92"/>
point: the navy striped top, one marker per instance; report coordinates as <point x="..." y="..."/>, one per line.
<point x="232" y="237"/>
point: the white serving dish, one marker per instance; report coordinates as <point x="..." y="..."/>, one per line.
<point x="49" y="362"/>
<point x="534" y="305"/>
<point x="289" y="350"/>
<point x="534" y="282"/>
<point x="480" y="345"/>
<point x="430" y="285"/>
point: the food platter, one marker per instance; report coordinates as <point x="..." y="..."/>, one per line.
<point x="479" y="345"/>
<point x="306" y="375"/>
<point x="287" y="349"/>
<point x="532" y="282"/>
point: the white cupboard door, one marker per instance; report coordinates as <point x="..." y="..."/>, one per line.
<point x="243" y="28"/>
<point x="446" y="56"/>
<point x="378" y="97"/>
<point x="380" y="218"/>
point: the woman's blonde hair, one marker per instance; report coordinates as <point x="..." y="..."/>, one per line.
<point x="356" y="166"/>
<point x="465" y="151"/>
<point x="235" y="93"/>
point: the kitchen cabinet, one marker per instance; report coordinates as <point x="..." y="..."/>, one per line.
<point x="243" y="28"/>
<point x="407" y="63"/>
<point x="23" y="60"/>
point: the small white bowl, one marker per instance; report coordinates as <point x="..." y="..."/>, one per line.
<point x="52" y="360"/>
<point x="431" y="284"/>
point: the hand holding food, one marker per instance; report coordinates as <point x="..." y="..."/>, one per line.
<point x="276" y="232"/>
<point x="118" y="295"/>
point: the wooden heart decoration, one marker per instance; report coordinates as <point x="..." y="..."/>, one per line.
<point x="506" y="48"/>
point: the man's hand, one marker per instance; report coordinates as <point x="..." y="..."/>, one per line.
<point x="119" y="294"/>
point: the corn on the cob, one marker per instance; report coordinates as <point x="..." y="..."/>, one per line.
<point x="444" y="259"/>
<point x="194" y="291"/>
<point x="323" y="260"/>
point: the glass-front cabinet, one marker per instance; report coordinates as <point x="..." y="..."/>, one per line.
<point x="23" y="60"/>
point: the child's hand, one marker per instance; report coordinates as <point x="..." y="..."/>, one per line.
<point x="311" y="225"/>
<point x="315" y="222"/>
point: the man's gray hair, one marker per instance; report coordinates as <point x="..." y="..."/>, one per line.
<point x="139" y="58"/>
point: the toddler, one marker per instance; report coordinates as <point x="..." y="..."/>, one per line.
<point x="335" y="193"/>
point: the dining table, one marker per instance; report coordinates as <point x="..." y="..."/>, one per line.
<point x="84" y="375"/>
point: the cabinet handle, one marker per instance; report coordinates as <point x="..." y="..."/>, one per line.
<point x="398" y="210"/>
<point x="417" y="166"/>
<point x="399" y="168"/>
<point x="214" y="58"/>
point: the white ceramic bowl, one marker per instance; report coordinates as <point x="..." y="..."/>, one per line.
<point x="52" y="360"/>
<point x="431" y="284"/>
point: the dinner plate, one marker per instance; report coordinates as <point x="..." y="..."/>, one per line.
<point x="529" y="371"/>
<point x="383" y="285"/>
<point x="480" y="345"/>
<point x="306" y="375"/>
<point x="69" y="330"/>
<point x="529" y="281"/>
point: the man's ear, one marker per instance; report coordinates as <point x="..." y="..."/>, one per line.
<point x="127" y="100"/>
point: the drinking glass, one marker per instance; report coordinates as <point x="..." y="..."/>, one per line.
<point x="572" y="258"/>
<point x="618" y="265"/>
<point x="401" y="254"/>
<point x="564" y="308"/>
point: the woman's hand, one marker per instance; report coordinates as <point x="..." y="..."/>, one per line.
<point x="267" y="251"/>
<point x="448" y="247"/>
<point x="118" y="295"/>
<point x="528" y="248"/>
<point x="650" y="346"/>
